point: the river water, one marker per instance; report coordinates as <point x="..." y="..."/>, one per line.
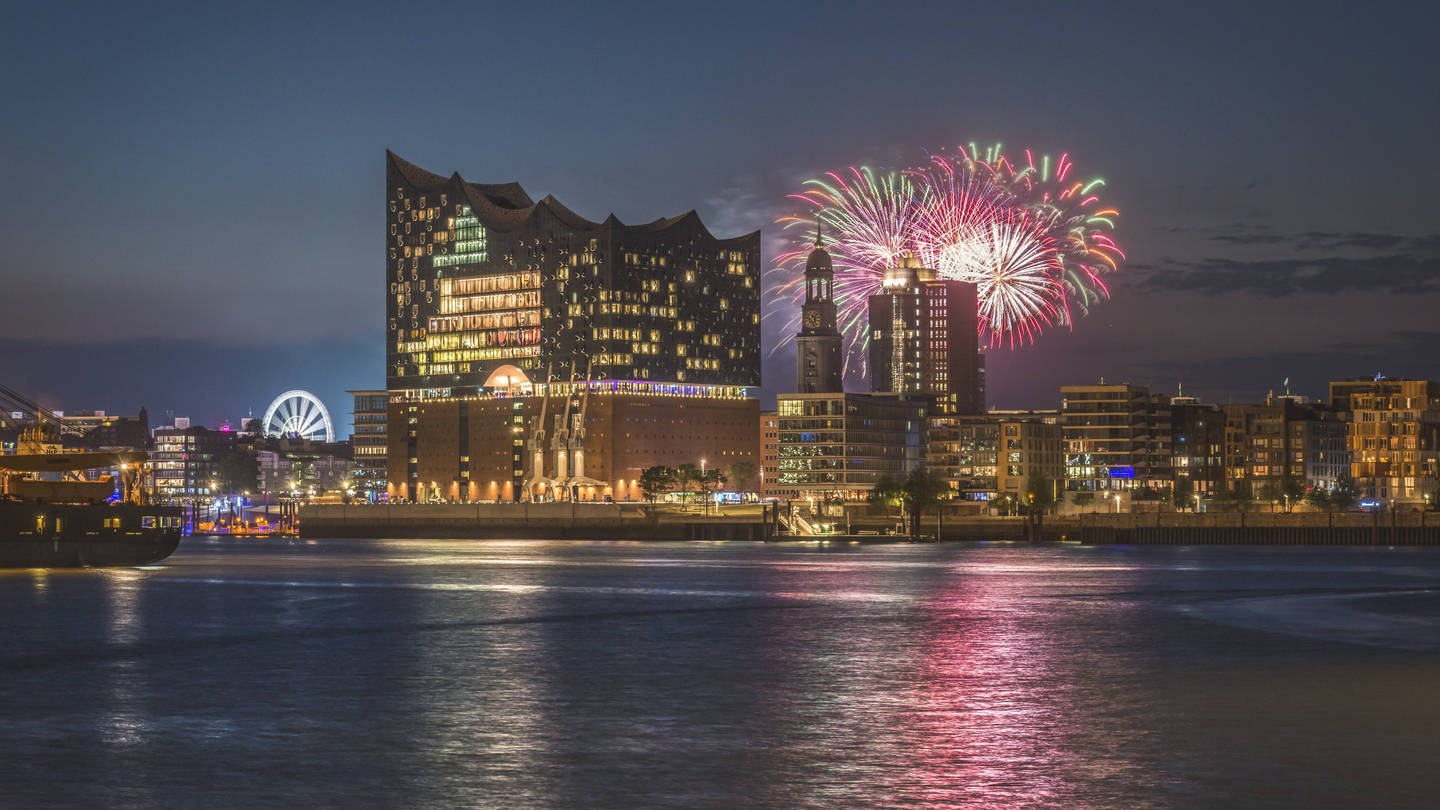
<point x="550" y="674"/>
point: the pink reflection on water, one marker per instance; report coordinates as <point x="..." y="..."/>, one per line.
<point x="987" y="721"/>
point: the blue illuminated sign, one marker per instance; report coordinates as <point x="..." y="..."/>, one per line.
<point x="1122" y="472"/>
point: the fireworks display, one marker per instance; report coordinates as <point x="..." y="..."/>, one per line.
<point x="1033" y="239"/>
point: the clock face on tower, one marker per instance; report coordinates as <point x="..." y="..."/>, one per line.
<point x="812" y="319"/>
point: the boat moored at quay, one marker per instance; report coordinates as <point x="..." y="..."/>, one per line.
<point x="53" y="517"/>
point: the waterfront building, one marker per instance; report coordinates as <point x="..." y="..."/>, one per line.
<point x="829" y="444"/>
<point x="302" y="465"/>
<point x="1000" y="457"/>
<point x="481" y="276"/>
<point x="85" y="429"/>
<point x="769" y="455"/>
<point x="185" y="462"/>
<point x="1279" y="449"/>
<point x="1325" y="446"/>
<point x="1393" y="435"/>
<point x="1158" y="479"/>
<point x="1197" y="446"/>
<point x="368" y="442"/>
<point x="78" y="423"/>
<point x="965" y="451"/>
<point x="121" y="431"/>
<point x="597" y="439"/>
<point x="837" y="445"/>
<point x="101" y="429"/>
<point x="530" y="349"/>
<point x="924" y="339"/>
<point x="1117" y="438"/>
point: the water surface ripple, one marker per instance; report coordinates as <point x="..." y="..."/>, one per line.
<point x="540" y="674"/>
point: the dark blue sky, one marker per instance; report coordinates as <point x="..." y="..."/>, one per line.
<point x="192" y="207"/>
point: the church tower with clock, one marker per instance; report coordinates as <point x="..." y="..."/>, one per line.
<point x="820" y="367"/>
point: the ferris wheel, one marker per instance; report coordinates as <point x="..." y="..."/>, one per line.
<point x="299" y="413"/>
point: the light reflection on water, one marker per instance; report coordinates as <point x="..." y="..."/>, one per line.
<point x="529" y="674"/>
<point x="988" y="719"/>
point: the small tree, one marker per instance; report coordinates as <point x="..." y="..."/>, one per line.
<point x="237" y="470"/>
<point x="1083" y="498"/>
<point x="741" y="475"/>
<point x="887" y="492"/>
<point x="711" y="480"/>
<point x="1040" y="492"/>
<point x="920" y="490"/>
<point x="1270" y="493"/>
<point x="655" y="480"/>
<point x="1291" y="491"/>
<point x="1344" y="494"/>
<point x="1319" y="498"/>
<point x="1183" y="493"/>
<point x="1241" y="497"/>
<point x="685" y="475"/>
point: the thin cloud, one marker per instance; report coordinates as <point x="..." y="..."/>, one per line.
<point x="1396" y="274"/>
<point x="1330" y="240"/>
<point x="1250" y="238"/>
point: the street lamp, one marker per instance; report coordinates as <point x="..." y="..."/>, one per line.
<point x="1116" y="496"/>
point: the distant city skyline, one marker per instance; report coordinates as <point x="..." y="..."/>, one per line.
<point x="192" y="193"/>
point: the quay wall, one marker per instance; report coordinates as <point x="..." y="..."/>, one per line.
<point x="521" y="521"/>
<point x="1254" y="528"/>
<point x="633" y="521"/>
<point x="1257" y="528"/>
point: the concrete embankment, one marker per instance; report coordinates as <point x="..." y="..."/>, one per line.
<point x="1254" y="528"/>
<point x="544" y="521"/>
<point x="1278" y="529"/>
<point x="598" y="521"/>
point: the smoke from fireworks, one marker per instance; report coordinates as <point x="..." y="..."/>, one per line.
<point x="1034" y="241"/>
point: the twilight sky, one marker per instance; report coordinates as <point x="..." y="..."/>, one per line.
<point x="193" y="196"/>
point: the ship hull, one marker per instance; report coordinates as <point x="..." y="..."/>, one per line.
<point x="73" y="536"/>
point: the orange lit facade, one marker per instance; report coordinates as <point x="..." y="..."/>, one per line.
<point x="769" y="455"/>
<point x="468" y="450"/>
<point x="1393" y="436"/>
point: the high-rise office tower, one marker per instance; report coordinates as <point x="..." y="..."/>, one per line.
<point x="924" y="339"/>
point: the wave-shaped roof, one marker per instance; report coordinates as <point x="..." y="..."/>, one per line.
<point x="506" y="206"/>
